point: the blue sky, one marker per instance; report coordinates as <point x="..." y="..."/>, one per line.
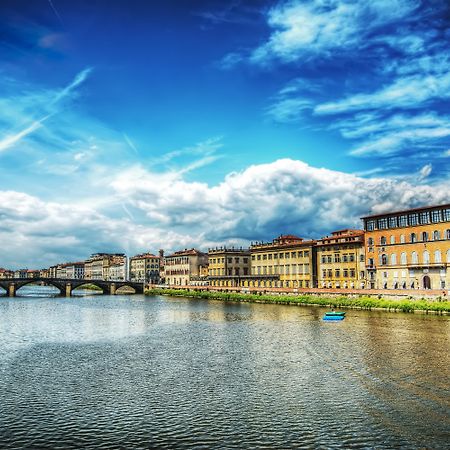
<point x="132" y="126"/>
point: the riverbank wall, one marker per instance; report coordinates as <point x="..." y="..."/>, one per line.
<point x="353" y="299"/>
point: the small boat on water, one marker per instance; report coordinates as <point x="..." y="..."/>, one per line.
<point x="334" y="315"/>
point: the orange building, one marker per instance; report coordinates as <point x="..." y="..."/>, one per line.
<point x="408" y="249"/>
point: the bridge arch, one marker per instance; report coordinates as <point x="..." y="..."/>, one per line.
<point x="58" y="285"/>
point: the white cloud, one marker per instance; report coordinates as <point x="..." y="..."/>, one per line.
<point x="425" y="171"/>
<point x="405" y="92"/>
<point x="321" y="26"/>
<point x="286" y="196"/>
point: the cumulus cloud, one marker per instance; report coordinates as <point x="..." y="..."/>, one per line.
<point x="166" y="211"/>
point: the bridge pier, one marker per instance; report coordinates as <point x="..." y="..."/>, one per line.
<point x="11" y="289"/>
<point x="112" y="289"/>
<point x="68" y="290"/>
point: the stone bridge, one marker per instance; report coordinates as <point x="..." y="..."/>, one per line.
<point x="66" y="286"/>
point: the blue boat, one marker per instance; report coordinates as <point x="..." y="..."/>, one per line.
<point x="334" y="315"/>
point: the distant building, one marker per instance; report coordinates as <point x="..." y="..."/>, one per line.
<point x="117" y="272"/>
<point x="21" y="273"/>
<point x="5" y="273"/>
<point x="287" y="261"/>
<point x="408" y="249"/>
<point x="75" y="271"/>
<point x="144" y="268"/>
<point x="228" y="266"/>
<point x="340" y="260"/>
<point x="183" y="268"/>
<point x="97" y="266"/>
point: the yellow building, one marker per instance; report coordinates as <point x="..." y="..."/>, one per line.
<point x="287" y="261"/>
<point x="409" y="249"/>
<point x="340" y="260"/>
<point x="228" y="266"/>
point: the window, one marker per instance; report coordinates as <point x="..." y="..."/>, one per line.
<point x="370" y="241"/>
<point x="324" y="273"/>
<point x="306" y="254"/>
<point x="413" y="237"/>
<point x="383" y="240"/>
<point x="414" y="258"/>
<point x="352" y="273"/>
<point x="424" y="236"/>
<point x="370" y="225"/>
<point x="351" y="257"/>
<point x="382" y="224"/>
<point x="293" y="254"/>
<point x="345" y="273"/>
<point x="337" y="273"/>
<point x="402" y="221"/>
<point x="446" y="215"/>
<point x="392" y="240"/>
<point x="403" y="260"/>
<point x="413" y="219"/>
<point x="383" y="260"/>
<point x="329" y="259"/>
<point x="264" y="257"/>
<point x="392" y="222"/>
<point x="436" y="216"/>
<point x="426" y="257"/>
<point x="402" y="239"/>
<point x="437" y="256"/>
<point x="448" y="256"/>
<point x="323" y="259"/>
<point x="258" y="257"/>
<point x="447" y="234"/>
<point x="287" y="255"/>
<point x="424" y="217"/>
<point x="361" y="258"/>
<point x="270" y="256"/>
<point x="436" y="235"/>
<point x="330" y="273"/>
<point x="393" y="259"/>
<point x="275" y="256"/>
<point x="253" y="257"/>
<point x="337" y="258"/>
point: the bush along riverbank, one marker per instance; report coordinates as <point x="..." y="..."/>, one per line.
<point x="439" y="307"/>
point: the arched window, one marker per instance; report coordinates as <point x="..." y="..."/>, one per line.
<point x="370" y="241"/>
<point x="403" y="258"/>
<point x="448" y="256"/>
<point x="437" y="256"/>
<point x="393" y="259"/>
<point x="384" y="260"/>
<point x="426" y="257"/>
<point x="383" y="240"/>
<point x="436" y="235"/>
<point x="414" y="258"/>
<point x="424" y="236"/>
<point x="413" y="237"/>
<point x="447" y="234"/>
<point x="392" y="239"/>
<point x="402" y="239"/>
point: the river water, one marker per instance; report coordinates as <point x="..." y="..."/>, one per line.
<point x="115" y="372"/>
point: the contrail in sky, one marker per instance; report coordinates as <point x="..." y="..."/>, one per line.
<point x="55" y="11"/>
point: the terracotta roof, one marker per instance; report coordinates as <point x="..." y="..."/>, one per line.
<point x="186" y="252"/>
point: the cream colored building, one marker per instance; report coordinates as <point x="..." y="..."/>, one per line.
<point x="228" y="266"/>
<point x="97" y="266"/>
<point x="287" y="261"/>
<point x="144" y="268"/>
<point x="409" y="249"/>
<point x="340" y="260"/>
<point x="183" y="268"/>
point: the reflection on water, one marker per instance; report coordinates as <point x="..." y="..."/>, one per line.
<point x="154" y="372"/>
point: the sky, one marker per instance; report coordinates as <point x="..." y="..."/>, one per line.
<point x="130" y="126"/>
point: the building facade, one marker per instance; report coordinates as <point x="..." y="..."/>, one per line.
<point x="228" y="266"/>
<point x="341" y="261"/>
<point x="408" y="249"/>
<point x="183" y="268"/>
<point x="97" y="267"/>
<point x="287" y="261"/>
<point x="144" y="268"/>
